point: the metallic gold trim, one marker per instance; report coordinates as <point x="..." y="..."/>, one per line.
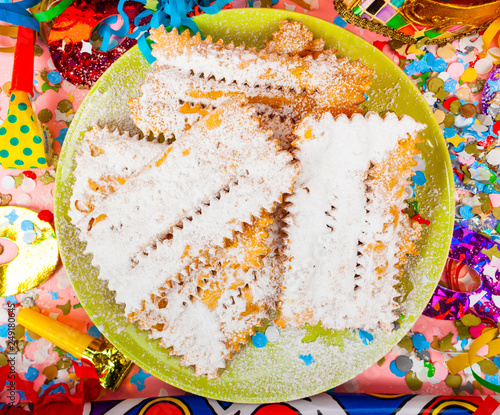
<point x="111" y="365"/>
<point x="443" y="16"/>
<point x="347" y="14"/>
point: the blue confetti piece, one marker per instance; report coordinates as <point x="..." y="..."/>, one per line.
<point x="492" y="378"/>
<point x="466" y="212"/>
<point x="394" y="369"/>
<point x="420" y="342"/>
<point x="4" y="330"/>
<point x="54" y="295"/>
<point x="94" y="332"/>
<point x="62" y="135"/>
<point x="259" y="340"/>
<point x="419" y="178"/>
<point x="22" y="395"/>
<point x="449" y="132"/>
<point x="54" y="77"/>
<point x="365" y="337"/>
<point x="463" y="342"/>
<point x="450" y="85"/>
<point x="139" y="379"/>
<point x="27" y="225"/>
<point x="496" y="360"/>
<point x="307" y="359"/>
<point x="340" y="22"/>
<point x="437" y="65"/>
<point x="32" y="373"/>
<point x="12" y="216"/>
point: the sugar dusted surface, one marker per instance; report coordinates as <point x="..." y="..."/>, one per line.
<point x="333" y="219"/>
<point x="273" y="373"/>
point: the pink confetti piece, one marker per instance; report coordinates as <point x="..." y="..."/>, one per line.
<point x="455" y="70"/>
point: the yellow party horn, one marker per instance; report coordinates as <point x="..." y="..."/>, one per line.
<point x="111" y="365"/>
<point x="24" y="143"/>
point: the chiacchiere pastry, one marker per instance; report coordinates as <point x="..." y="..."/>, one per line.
<point x="270" y="192"/>
<point x="346" y="237"/>
<point x="284" y="83"/>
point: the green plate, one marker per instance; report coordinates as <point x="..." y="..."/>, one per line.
<point x="275" y="372"/>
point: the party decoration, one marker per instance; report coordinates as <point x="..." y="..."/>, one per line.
<point x="37" y="250"/>
<point x="170" y="14"/>
<point x="111" y="365"/>
<point x="69" y="39"/>
<point x="412" y="20"/>
<point x="477" y="252"/>
<point x="488" y="341"/>
<point x="16" y="14"/>
<point x="491" y="94"/>
<point x="24" y="142"/>
<point x="324" y="403"/>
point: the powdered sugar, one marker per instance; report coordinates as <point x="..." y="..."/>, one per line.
<point x="330" y="224"/>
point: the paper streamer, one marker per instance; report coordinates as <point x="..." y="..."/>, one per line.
<point x="460" y="362"/>
<point x="16" y="14"/>
<point x="53" y="12"/>
<point x="170" y="14"/>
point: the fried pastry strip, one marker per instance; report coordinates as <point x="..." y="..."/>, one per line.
<point x="124" y="156"/>
<point x="224" y="299"/>
<point x="219" y="174"/>
<point x="346" y="237"/>
<point x="326" y="74"/>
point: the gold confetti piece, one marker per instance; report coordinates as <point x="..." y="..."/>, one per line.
<point x="468" y="110"/>
<point x="33" y="335"/>
<point x="413" y="382"/>
<point x="406" y="343"/>
<point x="445" y="343"/>
<point x="455" y="107"/>
<point x="18" y="180"/>
<point x="492" y="252"/>
<point x="65" y="308"/>
<point x="439" y="116"/>
<point x="446" y="51"/>
<point x="441" y="94"/>
<point x="496" y="213"/>
<point x="19" y="332"/>
<point x="434" y="84"/>
<point x="488" y="367"/>
<point x="50" y="372"/>
<point x="453" y="381"/>
<point x="3" y="360"/>
<point x="64" y="363"/>
<point x="46" y="178"/>
<point x="462" y="330"/>
<point x="38" y="253"/>
<point x="449" y="120"/>
<point x="470" y="320"/>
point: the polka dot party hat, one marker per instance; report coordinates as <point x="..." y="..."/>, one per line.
<point x="24" y="143"/>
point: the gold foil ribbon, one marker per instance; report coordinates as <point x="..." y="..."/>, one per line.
<point x="111" y="365"/>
